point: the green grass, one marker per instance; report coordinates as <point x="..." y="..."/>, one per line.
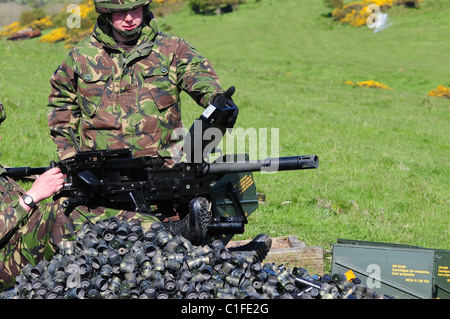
<point x="384" y="172"/>
<point x="25" y="71"/>
<point x="384" y="168"/>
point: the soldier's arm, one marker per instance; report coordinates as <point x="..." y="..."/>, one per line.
<point x="65" y="111"/>
<point x="11" y="212"/>
<point x="46" y="185"/>
<point x="196" y="75"/>
<point x="12" y="207"/>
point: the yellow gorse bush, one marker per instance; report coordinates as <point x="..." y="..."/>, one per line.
<point x="41" y="24"/>
<point x="441" y="91"/>
<point x="373" y="84"/>
<point x="380" y="3"/>
<point x="72" y="35"/>
<point x="10" y="29"/>
<point x="86" y="8"/>
<point x="356" y="13"/>
<point x="87" y="12"/>
<point x="370" y="84"/>
<point x="356" y="18"/>
<point x="59" y="34"/>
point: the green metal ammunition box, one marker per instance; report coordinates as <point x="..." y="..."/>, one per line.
<point x="442" y="274"/>
<point x="401" y="271"/>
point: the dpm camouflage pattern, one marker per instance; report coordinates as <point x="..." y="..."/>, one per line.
<point x="116" y="99"/>
<point x="24" y="236"/>
<point x="28" y="237"/>
<point x="109" y="6"/>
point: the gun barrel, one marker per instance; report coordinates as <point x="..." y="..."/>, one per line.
<point x="17" y="172"/>
<point x="269" y="165"/>
<point x="295" y="162"/>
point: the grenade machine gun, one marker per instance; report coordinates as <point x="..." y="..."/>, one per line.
<point x="114" y="178"/>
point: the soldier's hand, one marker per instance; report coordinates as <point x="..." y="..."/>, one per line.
<point x="46" y="185"/>
<point x="223" y="101"/>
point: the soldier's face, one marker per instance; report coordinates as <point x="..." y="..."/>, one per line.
<point x="127" y="20"/>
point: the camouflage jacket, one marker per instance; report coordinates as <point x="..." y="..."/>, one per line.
<point x="11" y="212"/>
<point x="117" y="99"/>
<point x="24" y="236"/>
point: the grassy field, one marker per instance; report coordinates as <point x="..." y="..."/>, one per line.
<point x="384" y="154"/>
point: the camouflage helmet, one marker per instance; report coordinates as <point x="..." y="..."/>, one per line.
<point x="2" y="113"/>
<point x="111" y="6"/>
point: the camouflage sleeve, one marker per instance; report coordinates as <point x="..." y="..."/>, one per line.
<point x="196" y="76"/>
<point x="65" y="111"/>
<point x="29" y="243"/>
<point x="11" y="212"/>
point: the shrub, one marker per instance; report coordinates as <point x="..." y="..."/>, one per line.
<point x="356" y="13"/>
<point x="26" y="22"/>
<point x="10" y="29"/>
<point x="71" y="36"/>
<point x="58" y="34"/>
<point x="441" y="91"/>
<point x="42" y="24"/>
<point x="87" y="14"/>
<point x="408" y="3"/>
<point x="373" y="84"/>
<point x="213" y="6"/>
<point x="369" y="84"/>
<point x="29" y="16"/>
<point x="163" y="7"/>
<point x="334" y="3"/>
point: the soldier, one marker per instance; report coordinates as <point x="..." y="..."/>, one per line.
<point x="24" y="225"/>
<point x="120" y="87"/>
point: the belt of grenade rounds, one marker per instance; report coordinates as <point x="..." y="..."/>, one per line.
<point x="120" y="260"/>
